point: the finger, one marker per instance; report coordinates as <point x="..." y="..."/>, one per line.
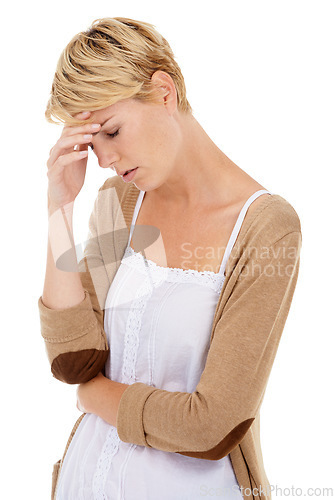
<point x="65" y="160"/>
<point x="81" y="147"/>
<point x="66" y="144"/>
<point x="83" y="115"/>
<point x="88" y="128"/>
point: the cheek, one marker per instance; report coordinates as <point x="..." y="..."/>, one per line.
<point x="162" y="139"/>
<point x="153" y="138"/>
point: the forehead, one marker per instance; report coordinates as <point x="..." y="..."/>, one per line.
<point x="123" y="106"/>
<point x="101" y="115"/>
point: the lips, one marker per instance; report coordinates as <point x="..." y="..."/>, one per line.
<point x="127" y="177"/>
<point x="126" y="171"/>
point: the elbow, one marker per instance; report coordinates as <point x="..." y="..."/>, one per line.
<point x="225" y="445"/>
<point x="79" y="366"/>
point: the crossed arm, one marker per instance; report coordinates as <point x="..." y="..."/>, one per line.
<point x="100" y="396"/>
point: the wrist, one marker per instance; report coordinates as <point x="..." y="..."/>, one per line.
<point x="67" y="208"/>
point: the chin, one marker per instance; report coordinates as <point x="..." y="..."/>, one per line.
<point x="145" y="186"/>
<point x="149" y="181"/>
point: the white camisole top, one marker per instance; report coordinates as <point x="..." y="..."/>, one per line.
<point x="158" y="323"/>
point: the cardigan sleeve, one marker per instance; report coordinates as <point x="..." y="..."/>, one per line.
<point x="74" y="337"/>
<point x="214" y="419"/>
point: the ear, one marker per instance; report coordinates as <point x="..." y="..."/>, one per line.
<point x="165" y="84"/>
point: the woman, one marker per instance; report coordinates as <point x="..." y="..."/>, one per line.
<point x="171" y="321"/>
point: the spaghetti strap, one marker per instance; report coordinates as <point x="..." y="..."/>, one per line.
<point x="234" y="233"/>
<point x="237" y="227"/>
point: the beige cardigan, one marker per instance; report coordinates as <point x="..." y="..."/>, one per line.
<point x="222" y="416"/>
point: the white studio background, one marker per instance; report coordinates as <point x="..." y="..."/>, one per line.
<point x="259" y="77"/>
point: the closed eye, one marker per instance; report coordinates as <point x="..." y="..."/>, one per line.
<point x="109" y="135"/>
<point x="114" y="134"/>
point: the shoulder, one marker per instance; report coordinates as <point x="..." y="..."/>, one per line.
<point x="271" y="220"/>
<point x="280" y="212"/>
<point x="284" y="214"/>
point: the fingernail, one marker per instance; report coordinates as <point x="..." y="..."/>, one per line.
<point x="85" y="113"/>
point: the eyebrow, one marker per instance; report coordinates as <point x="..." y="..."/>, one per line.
<point x="110" y="117"/>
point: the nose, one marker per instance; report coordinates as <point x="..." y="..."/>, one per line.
<point x="106" y="158"/>
<point x="106" y="164"/>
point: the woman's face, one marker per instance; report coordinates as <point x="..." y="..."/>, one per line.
<point x="137" y="134"/>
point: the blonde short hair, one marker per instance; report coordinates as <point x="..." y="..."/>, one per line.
<point x="113" y="60"/>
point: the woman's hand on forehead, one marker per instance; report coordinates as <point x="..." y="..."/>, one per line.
<point x="83" y="115"/>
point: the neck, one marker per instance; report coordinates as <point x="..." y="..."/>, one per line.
<point x="202" y="174"/>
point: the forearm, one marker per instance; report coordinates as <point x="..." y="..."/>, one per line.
<point x="72" y="322"/>
<point x="62" y="286"/>
<point x="101" y="396"/>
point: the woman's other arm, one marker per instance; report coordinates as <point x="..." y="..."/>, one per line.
<point x="70" y="315"/>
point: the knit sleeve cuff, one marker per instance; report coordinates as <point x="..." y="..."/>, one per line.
<point x="66" y="324"/>
<point x="130" y="427"/>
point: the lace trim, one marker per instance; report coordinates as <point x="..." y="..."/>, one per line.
<point x="131" y="343"/>
<point x="109" y="449"/>
<point x="136" y="260"/>
<point x="133" y="326"/>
